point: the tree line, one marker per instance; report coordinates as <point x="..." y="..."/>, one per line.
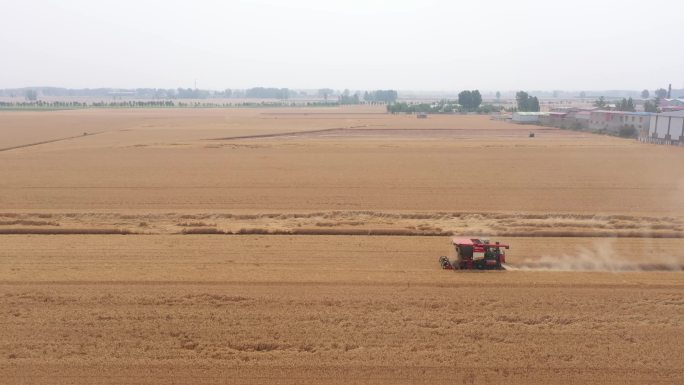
<point x="385" y="96"/>
<point x="443" y="106"/>
<point x="39" y="104"/>
<point x="267" y="93"/>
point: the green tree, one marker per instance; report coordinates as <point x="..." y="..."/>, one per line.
<point x="470" y="100"/>
<point x="534" y="104"/>
<point x="600" y="102"/>
<point x="527" y="103"/>
<point x="325" y="92"/>
<point x="346" y="98"/>
<point x="650" y="106"/>
<point x="465" y="99"/>
<point x="626" y="105"/>
<point x="645" y="94"/>
<point x="266" y="93"/>
<point x="476" y="99"/>
<point x="521" y="98"/>
<point x="498" y="95"/>
<point x="630" y="105"/>
<point x="386" y="96"/>
<point x="661" y="93"/>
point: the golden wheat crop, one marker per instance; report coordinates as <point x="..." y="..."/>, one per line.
<point x="290" y="246"/>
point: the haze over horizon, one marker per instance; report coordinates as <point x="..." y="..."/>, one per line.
<point x="410" y="45"/>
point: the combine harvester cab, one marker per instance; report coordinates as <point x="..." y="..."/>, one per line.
<point x="475" y="254"/>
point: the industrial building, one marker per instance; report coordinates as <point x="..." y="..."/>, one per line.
<point x="666" y="128"/>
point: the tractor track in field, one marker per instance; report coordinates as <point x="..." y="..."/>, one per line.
<point x="620" y="267"/>
<point x="289" y="133"/>
<point x="367" y="131"/>
<point x="48" y="141"/>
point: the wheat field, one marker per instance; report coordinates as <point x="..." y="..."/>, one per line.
<point x="290" y="246"/>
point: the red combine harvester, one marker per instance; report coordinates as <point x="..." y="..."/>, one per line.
<point x="476" y="254"/>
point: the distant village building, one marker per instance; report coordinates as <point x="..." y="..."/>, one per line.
<point x="670" y="105"/>
<point x="666" y="128"/>
<point x="528" y="117"/>
<point x="572" y="118"/>
<point x="614" y="121"/>
<point x="582" y="119"/>
<point x="553" y="118"/>
<point x="662" y="128"/>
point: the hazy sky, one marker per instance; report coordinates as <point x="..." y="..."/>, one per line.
<point x="364" y="44"/>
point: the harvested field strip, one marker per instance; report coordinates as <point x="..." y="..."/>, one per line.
<point x="28" y="223"/>
<point x="355" y="223"/>
<point x="341" y="232"/>
<point x="403" y="232"/>
<point x="320" y="231"/>
<point x="380" y="214"/>
<point x="63" y="231"/>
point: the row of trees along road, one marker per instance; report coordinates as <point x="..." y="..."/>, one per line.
<point x="379" y="96"/>
<point x="628" y="104"/>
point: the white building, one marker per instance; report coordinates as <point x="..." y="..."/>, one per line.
<point x="527" y="117"/>
<point x="666" y="128"/>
